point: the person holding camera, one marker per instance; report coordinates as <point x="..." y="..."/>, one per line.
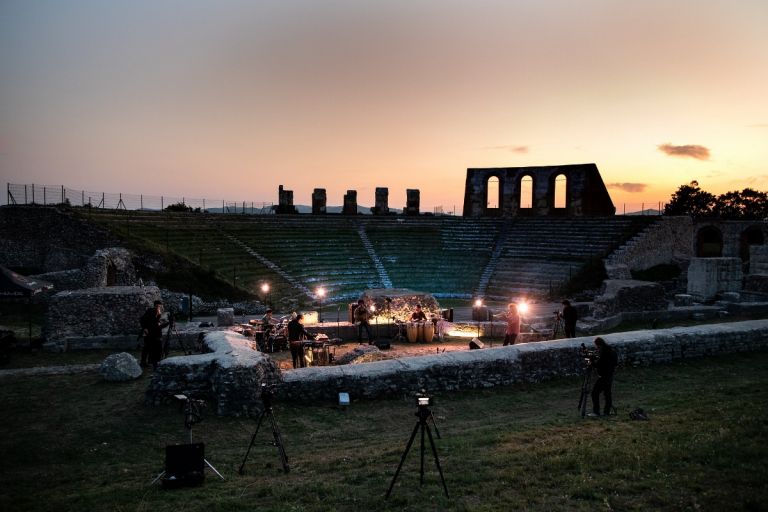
<point x="152" y="327"/>
<point x="569" y="319"/>
<point x="606" y="363"/>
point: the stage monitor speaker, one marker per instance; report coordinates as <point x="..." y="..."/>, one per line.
<point x="476" y="344"/>
<point x="447" y="314"/>
<point x="382" y="344"/>
<point x="184" y="465"/>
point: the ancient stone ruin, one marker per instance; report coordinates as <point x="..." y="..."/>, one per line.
<point x="412" y="200"/>
<point x="350" y="203"/>
<point x="285" y="201"/>
<point x="382" y="201"/>
<point x="533" y="190"/>
<point x="229" y="372"/>
<point x="97" y="317"/>
<point x="319" y="200"/>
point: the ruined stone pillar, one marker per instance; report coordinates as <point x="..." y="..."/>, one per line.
<point x="382" y="201"/>
<point x="412" y="201"/>
<point x="318" y="201"/>
<point x="350" y="203"/>
<point x="285" y="201"/>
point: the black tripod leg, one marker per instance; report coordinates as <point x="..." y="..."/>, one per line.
<point x="279" y="442"/>
<point x="434" y="424"/>
<point x="437" y="461"/>
<point x="253" y="439"/>
<point x="421" y="450"/>
<point x="402" y="460"/>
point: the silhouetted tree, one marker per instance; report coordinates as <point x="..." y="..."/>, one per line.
<point x="691" y="200"/>
<point x="749" y="204"/>
<point x="178" y="207"/>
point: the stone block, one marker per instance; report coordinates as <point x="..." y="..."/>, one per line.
<point x="621" y="295"/>
<point x="683" y="299"/>
<point x="708" y="277"/>
<point x="120" y="367"/>
<point x="225" y="317"/>
<point x="730" y="297"/>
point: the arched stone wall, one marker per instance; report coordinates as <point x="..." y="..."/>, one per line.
<point x="585" y="191"/>
<point x="709" y="242"/>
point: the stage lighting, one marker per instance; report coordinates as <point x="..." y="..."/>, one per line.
<point x="479" y="303"/>
<point x="522" y="307"/>
<point x="265" y="288"/>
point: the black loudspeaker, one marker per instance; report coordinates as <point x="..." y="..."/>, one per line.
<point x="447" y="314"/>
<point x="382" y="344"/>
<point x="184" y="465"/>
<point x="475" y="344"/>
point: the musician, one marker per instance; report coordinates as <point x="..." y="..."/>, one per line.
<point x="296" y="336"/>
<point x="418" y="315"/>
<point x="362" y="318"/>
<point x="512" y="315"/>
<point x="268" y="323"/>
<point x="569" y="319"/>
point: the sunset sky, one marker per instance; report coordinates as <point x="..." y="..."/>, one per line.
<point x="229" y="99"/>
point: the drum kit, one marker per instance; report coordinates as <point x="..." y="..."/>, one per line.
<point x="316" y="352"/>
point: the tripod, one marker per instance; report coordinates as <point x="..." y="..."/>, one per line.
<point x="558" y="327"/>
<point x="585" y="389"/>
<point x="423" y="413"/>
<point x="266" y="399"/>
<point x="172" y="330"/>
<point x="192" y="414"/>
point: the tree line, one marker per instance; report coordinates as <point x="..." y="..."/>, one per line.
<point x="690" y="199"/>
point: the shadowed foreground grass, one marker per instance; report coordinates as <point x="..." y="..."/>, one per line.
<point x="76" y="443"/>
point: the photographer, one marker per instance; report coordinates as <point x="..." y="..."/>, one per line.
<point x="152" y="327"/>
<point x="605" y="367"/>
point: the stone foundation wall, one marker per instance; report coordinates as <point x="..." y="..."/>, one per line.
<point x="628" y="295"/>
<point x="230" y="374"/>
<point x="96" y="314"/>
<point x="708" y="277"/>
<point x="525" y="363"/>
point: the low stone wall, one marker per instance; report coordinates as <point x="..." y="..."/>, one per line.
<point x="524" y="363"/>
<point x="230" y="373"/>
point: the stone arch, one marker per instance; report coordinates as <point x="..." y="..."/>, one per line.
<point x="753" y="235"/>
<point x="709" y="242"/>
<point x="526" y="187"/>
<point x="111" y="279"/>
<point x="494" y="185"/>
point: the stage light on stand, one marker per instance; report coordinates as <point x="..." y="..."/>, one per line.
<point x="373" y="312"/>
<point x="265" y="291"/>
<point x="320" y="294"/>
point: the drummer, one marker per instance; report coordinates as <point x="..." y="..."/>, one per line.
<point x="268" y="323"/>
<point x="418" y="315"/>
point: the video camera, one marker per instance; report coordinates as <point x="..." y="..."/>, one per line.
<point x="193" y="409"/>
<point x="422" y="399"/>
<point x="590" y="356"/>
<point x="267" y="393"/>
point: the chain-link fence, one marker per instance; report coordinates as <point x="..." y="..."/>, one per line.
<point x="53" y="195"/>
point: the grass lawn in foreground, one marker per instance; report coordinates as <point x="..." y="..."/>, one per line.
<point x="77" y="443"/>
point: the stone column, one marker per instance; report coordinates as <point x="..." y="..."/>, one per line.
<point x="350" y="203"/>
<point x="382" y="201"/>
<point x="318" y="201"/>
<point x="412" y="201"/>
<point x="285" y="201"/>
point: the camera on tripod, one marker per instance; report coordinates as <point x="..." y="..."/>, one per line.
<point x="423" y="399"/>
<point x="193" y="410"/>
<point x="590" y="356"/>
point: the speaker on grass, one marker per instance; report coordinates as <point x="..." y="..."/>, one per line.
<point x="476" y="344"/>
<point x="184" y="465"/>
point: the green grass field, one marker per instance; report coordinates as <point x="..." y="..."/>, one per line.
<point x="77" y="443"/>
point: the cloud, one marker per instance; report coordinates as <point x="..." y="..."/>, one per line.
<point x="687" y="150"/>
<point x="752" y="181"/>
<point x="513" y="149"/>
<point x="628" y="187"/>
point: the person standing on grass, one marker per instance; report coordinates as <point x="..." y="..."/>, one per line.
<point x="152" y="328"/>
<point x="605" y="366"/>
